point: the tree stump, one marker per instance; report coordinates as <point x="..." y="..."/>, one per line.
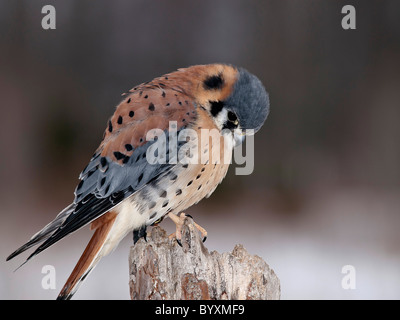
<point x="161" y="269"/>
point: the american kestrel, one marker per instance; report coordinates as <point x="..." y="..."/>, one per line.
<point x="120" y="190"/>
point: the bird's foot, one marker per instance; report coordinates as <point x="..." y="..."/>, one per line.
<point x="179" y="221"/>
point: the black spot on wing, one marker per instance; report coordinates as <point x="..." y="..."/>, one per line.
<point x="103" y="162"/>
<point x="79" y="185"/>
<point x="118" y="155"/>
<point x="126" y="159"/>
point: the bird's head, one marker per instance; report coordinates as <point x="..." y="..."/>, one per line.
<point x="235" y="98"/>
<point x="248" y="103"/>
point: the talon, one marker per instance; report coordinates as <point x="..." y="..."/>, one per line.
<point x="202" y="231"/>
<point x="173" y="235"/>
<point x="179" y="221"/>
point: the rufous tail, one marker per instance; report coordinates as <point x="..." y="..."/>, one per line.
<point x="90" y="256"/>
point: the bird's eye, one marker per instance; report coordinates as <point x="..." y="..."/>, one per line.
<point x="232" y="117"/>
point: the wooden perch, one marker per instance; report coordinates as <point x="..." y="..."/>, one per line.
<point x="161" y="269"/>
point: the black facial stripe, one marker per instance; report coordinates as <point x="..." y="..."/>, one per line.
<point x="216" y="107"/>
<point x="213" y="82"/>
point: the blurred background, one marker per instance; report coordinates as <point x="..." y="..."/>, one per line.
<point x="325" y="191"/>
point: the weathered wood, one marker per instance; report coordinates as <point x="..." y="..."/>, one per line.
<point x="161" y="269"/>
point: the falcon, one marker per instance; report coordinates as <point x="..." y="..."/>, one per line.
<point x="121" y="190"/>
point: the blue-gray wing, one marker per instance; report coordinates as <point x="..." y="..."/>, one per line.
<point x="120" y="167"/>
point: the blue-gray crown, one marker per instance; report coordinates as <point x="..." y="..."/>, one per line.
<point x="249" y="100"/>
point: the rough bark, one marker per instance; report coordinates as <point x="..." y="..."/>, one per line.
<point x="161" y="269"/>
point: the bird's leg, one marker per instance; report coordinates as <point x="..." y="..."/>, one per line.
<point x="179" y="220"/>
